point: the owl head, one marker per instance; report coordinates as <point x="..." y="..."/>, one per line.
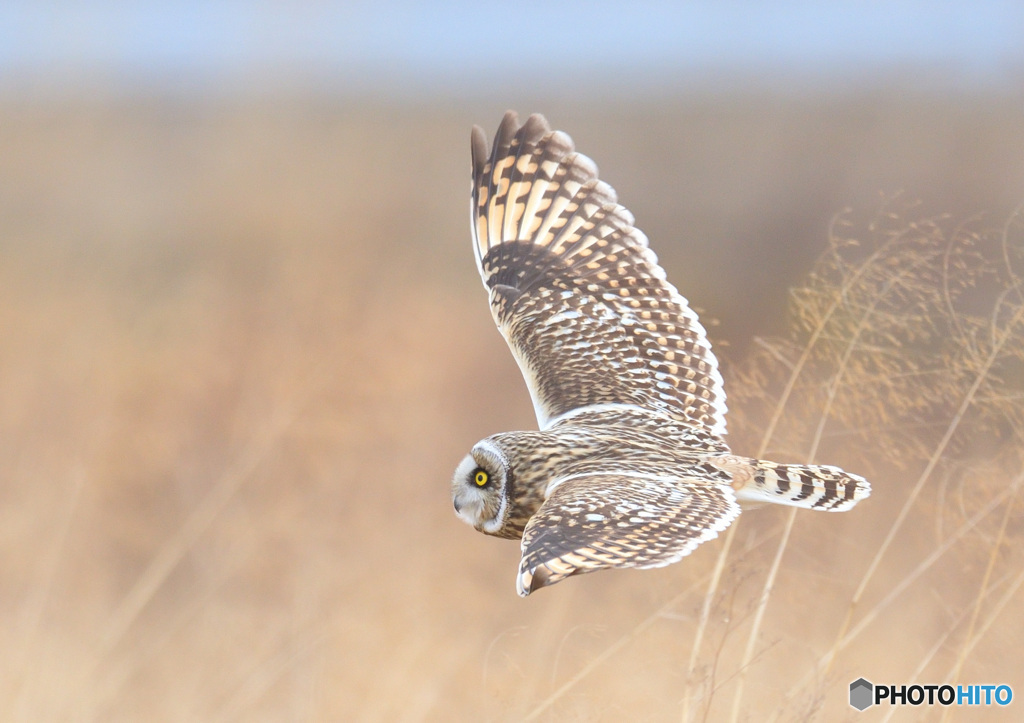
<point x="481" y="488"/>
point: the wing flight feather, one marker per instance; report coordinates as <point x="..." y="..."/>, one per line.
<point x="620" y="519"/>
<point x="575" y="289"/>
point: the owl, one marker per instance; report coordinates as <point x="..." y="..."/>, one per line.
<point x="629" y="467"/>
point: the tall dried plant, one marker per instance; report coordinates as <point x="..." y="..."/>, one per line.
<point x="905" y="359"/>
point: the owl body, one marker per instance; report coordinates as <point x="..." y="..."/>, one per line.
<point x="630" y="467"/>
<point x="526" y="466"/>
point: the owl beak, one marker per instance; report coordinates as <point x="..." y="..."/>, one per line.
<point x="467" y="509"/>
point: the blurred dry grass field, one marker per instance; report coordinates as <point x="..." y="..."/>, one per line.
<point x="243" y="345"/>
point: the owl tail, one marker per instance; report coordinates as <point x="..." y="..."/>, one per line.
<point x="815" y="487"/>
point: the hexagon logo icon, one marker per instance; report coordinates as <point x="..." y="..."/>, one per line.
<point x="861" y="694"/>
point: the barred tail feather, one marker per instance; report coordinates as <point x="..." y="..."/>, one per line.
<point x="811" y="486"/>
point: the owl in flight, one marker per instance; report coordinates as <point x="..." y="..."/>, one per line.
<point x="630" y="467"/>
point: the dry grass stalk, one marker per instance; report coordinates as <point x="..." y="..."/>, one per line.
<point x="914" y="326"/>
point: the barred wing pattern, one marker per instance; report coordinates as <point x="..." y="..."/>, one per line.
<point x="575" y="290"/>
<point x="630" y="467"/>
<point x="620" y="519"/>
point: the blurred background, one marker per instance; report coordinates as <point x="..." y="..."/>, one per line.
<point x="243" y="343"/>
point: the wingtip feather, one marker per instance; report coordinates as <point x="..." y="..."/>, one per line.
<point x="535" y="128"/>
<point x="478" y="147"/>
<point x="531" y="579"/>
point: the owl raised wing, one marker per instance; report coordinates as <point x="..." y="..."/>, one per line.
<point x="575" y="290"/>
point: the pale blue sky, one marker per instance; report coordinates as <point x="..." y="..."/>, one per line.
<point x="466" y="45"/>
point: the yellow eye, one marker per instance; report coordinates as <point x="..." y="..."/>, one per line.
<point x="480" y="478"/>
